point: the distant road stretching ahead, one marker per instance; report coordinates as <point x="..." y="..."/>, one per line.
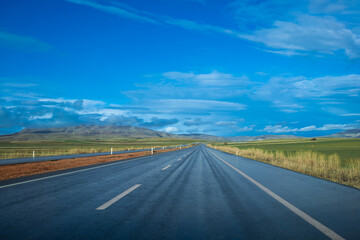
<point x="194" y="193"/>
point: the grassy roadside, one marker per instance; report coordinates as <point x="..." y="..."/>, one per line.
<point x="329" y="166"/>
<point x="347" y="149"/>
<point x="27" y="169"/>
<point x="19" y="149"/>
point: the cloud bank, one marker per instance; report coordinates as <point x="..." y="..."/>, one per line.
<point x="283" y="27"/>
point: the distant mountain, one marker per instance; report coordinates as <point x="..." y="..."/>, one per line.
<point x="237" y="138"/>
<point x="262" y="137"/>
<point x="204" y="137"/>
<point x="115" y="132"/>
<point x="86" y="132"/>
<point x="353" y="133"/>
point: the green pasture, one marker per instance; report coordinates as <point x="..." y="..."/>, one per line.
<point x="347" y="149"/>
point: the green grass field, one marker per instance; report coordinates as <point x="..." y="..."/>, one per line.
<point x="347" y="149"/>
<point x="336" y="160"/>
<point x="48" y="148"/>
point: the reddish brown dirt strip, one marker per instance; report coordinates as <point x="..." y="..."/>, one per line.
<point x="26" y="169"/>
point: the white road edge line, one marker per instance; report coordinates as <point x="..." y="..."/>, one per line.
<point x="166" y="167"/>
<point x="178" y="159"/>
<point x="76" y="171"/>
<point x="322" y="228"/>
<point x="118" y="197"/>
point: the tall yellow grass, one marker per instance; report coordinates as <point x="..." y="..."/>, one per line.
<point x="20" y="153"/>
<point x="308" y="162"/>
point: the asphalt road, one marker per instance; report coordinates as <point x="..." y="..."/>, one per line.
<point x="59" y="157"/>
<point x="194" y="193"/>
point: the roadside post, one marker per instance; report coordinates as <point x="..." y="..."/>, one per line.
<point x="237" y="159"/>
<point x="111" y="151"/>
<point x="152" y="151"/>
<point x="33" y="154"/>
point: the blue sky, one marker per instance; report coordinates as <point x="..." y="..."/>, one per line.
<point x="227" y="68"/>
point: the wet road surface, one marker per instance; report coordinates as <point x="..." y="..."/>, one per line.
<point x="194" y="193"/>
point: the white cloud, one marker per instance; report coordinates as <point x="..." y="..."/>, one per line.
<point x="285" y="129"/>
<point x="86" y="107"/>
<point x="192" y="25"/>
<point x="214" y="78"/>
<point x="277" y="129"/>
<point x="321" y="34"/>
<point x="289" y="110"/>
<point x="329" y="85"/>
<point x="181" y="85"/>
<point x="225" y="123"/>
<point x="245" y="129"/>
<point x="86" y="102"/>
<point x="113" y="10"/>
<point x="350" y="114"/>
<point x="308" y="128"/>
<point x="327" y="6"/>
<point x="45" y="116"/>
<point x="302" y="87"/>
<point x="193" y="106"/>
<point x="126" y="11"/>
<point x="308" y="34"/>
<point x="104" y="112"/>
<point x="56" y="100"/>
<point x="171" y="129"/>
<point x="287" y="107"/>
<point x="92" y="103"/>
<point x="287" y="53"/>
<point x="19" y="85"/>
<point x="338" y="126"/>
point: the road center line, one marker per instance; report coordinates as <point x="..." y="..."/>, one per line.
<point x="322" y="228"/>
<point x="166" y="167"/>
<point x="118" y="197"/>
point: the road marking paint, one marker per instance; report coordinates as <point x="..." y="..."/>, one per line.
<point x="179" y="159"/>
<point x="322" y="228"/>
<point x="76" y="171"/>
<point x="118" y="197"/>
<point x="166" y="167"/>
